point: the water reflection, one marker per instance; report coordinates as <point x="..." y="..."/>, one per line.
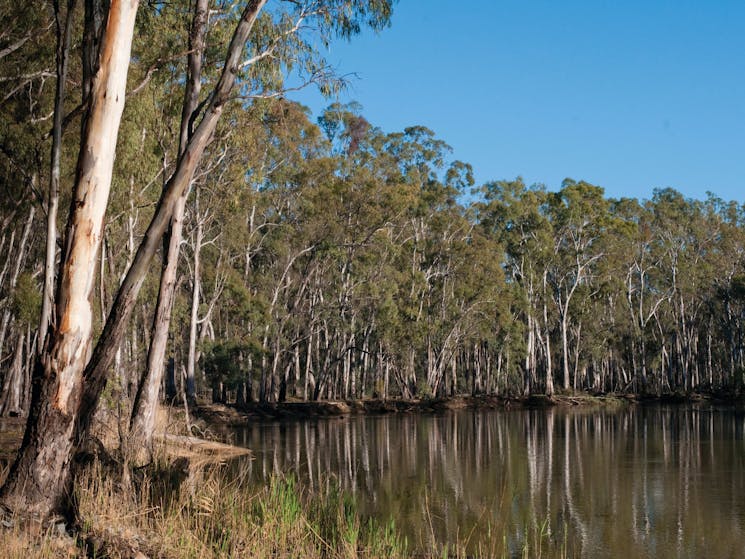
<point x="641" y="482"/>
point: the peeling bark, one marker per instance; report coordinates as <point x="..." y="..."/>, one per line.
<point x="40" y="480"/>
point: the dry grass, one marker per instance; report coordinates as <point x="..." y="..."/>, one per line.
<point x="167" y="514"/>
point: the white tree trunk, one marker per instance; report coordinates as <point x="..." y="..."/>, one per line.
<point x="191" y="392"/>
<point x="40" y="480"/>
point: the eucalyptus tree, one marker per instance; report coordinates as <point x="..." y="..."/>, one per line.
<point x="715" y="258"/>
<point x="678" y="223"/>
<point x="254" y="193"/>
<point x="418" y="161"/>
<point x="70" y="375"/>
<point x="281" y="43"/>
<point x="644" y="297"/>
<point x="513" y="215"/>
<point x="577" y="213"/>
<point x="600" y="357"/>
<point x="38" y="481"/>
<point x="724" y="332"/>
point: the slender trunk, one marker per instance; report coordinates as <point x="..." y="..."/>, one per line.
<point x="191" y="393"/>
<point x="13" y="281"/>
<point x="143" y="413"/>
<point x="549" y="372"/>
<point x="296" y="371"/>
<point x="453" y="376"/>
<point x="565" y="350"/>
<point x="63" y="50"/>
<point x="547" y="344"/>
<point x="529" y="367"/>
<point x="142" y="422"/>
<point x="576" y="377"/>
<point x="263" y="380"/>
<point x="310" y="383"/>
<point x="386" y="379"/>
<point x="11" y="398"/>
<point x="274" y="377"/>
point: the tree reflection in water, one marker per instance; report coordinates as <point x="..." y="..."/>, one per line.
<point x="640" y="482"/>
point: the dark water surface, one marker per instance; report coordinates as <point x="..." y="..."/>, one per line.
<point x="639" y="482"/>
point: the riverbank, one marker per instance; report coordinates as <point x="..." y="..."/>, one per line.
<point x="228" y="414"/>
<point x="232" y="415"/>
<point x="217" y="415"/>
<point x="215" y="513"/>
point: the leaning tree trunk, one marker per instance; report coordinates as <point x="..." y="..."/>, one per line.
<point x="142" y="420"/>
<point x="40" y="479"/>
<point x="121" y="310"/>
<point x="142" y="423"/>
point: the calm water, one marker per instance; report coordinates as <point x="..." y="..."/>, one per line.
<point x="640" y="482"/>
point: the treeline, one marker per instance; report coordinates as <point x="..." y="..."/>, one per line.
<point x="332" y="259"/>
<point x="368" y="278"/>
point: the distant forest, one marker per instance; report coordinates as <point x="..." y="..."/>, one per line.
<point x="328" y="259"/>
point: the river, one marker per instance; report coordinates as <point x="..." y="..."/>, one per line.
<point x="642" y="481"/>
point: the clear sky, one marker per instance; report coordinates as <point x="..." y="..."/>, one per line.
<point x="630" y="95"/>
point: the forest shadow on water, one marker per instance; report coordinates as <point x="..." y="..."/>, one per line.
<point x="643" y="481"/>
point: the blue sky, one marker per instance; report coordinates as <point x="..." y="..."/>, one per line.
<point x="628" y="95"/>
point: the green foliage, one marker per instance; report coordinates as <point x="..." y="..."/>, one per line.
<point x="26" y="299"/>
<point x="738" y="287"/>
<point x="344" y="260"/>
<point x="226" y="361"/>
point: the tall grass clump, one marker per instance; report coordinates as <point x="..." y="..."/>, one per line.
<point x="170" y="512"/>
